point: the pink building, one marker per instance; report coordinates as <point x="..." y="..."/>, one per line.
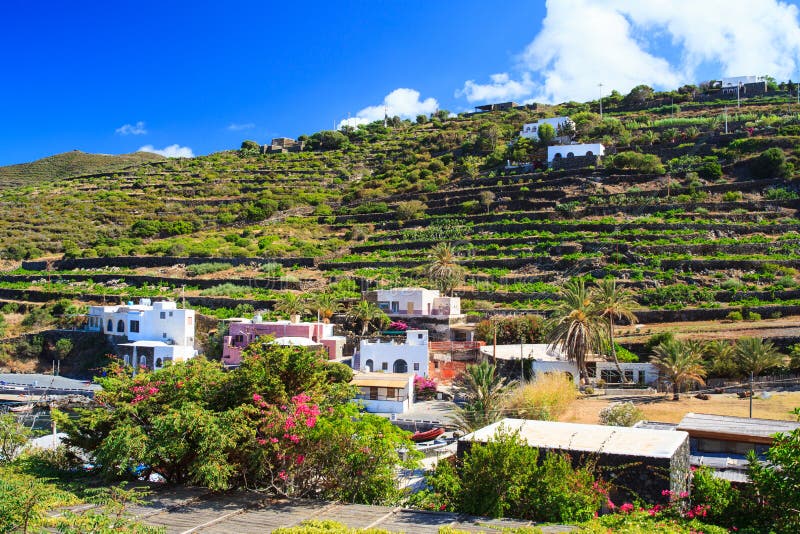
<point x="244" y="332"/>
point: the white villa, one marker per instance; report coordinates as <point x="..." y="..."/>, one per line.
<point x="531" y="130"/>
<point x="735" y="81"/>
<point x="571" y="151"/>
<point x="415" y="301"/>
<point x="391" y="357"/>
<point x="148" y="334"/>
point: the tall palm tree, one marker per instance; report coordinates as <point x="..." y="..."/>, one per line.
<point x="486" y="392"/>
<point x="291" y="304"/>
<point x="680" y="363"/>
<point x="754" y="355"/>
<point x="575" y="324"/>
<point x="367" y="314"/>
<point x="720" y="359"/>
<point x="325" y="305"/>
<point x="613" y="303"/>
<point x="444" y="271"/>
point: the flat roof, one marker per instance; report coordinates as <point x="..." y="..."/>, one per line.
<point x="385" y="380"/>
<point x="537" y="351"/>
<point x="730" y="428"/>
<point x="588" y="438"/>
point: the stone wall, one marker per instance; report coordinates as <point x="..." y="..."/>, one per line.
<point x="575" y="162"/>
<point x="152" y="261"/>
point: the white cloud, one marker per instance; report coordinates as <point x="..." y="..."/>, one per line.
<point x="586" y="42"/>
<point x="402" y="102"/>
<point x="502" y="87"/>
<point x="236" y="127"/>
<point x="171" y="151"/>
<point x="132" y="129"/>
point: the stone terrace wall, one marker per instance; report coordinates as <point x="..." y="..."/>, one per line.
<point x="152" y="261"/>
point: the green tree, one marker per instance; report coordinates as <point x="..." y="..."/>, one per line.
<point x="444" y="271"/>
<point x="506" y="478"/>
<point x="291" y="304"/>
<point x="485" y="391"/>
<point x="249" y="148"/>
<point x="368" y="314"/>
<point x="410" y="209"/>
<point x="680" y="363"/>
<point x="777" y="481"/>
<point x="546" y="133"/>
<point x="575" y="326"/>
<point x="325" y="305"/>
<point x="13" y="436"/>
<point x="63" y="347"/>
<point x="613" y="303"/>
<point x="639" y="95"/>
<point x="471" y="165"/>
<point x="754" y="355"/>
<point x="770" y="164"/>
<point x="486" y="198"/>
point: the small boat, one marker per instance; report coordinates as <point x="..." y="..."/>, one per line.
<point x="21" y="408"/>
<point x="427" y="435"/>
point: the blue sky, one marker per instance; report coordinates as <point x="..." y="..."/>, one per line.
<point x="112" y="77"/>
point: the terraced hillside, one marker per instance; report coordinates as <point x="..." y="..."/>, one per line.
<point x="695" y="210"/>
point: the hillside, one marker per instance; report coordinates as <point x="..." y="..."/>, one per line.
<point x="699" y="222"/>
<point x="69" y="164"/>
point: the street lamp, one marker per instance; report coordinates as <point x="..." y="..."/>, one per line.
<point x="600" y="85"/>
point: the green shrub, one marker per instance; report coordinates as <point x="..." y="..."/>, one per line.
<point x="471" y="206"/>
<point x="621" y="414"/>
<point x="411" y="209"/>
<point x="226" y="290"/>
<point x="732" y="196"/>
<point x="753" y="316"/>
<point x="645" y="163"/>
<point x="734" y="316"/>
<point x="199" y="269"/>
<point x="770" y="164"/>
<point x="780" y="193"/>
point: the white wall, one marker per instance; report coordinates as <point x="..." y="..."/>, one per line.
<point x="413" y="351"/>
<point x="531" y="130"/>
<point x="557" y="367"/>
<point x="162" y="321"/>
<point x="650" y="370"/>
<point x="422" y="299"/>
<point x="577" y="150"/>
<point x="733" y="81"/>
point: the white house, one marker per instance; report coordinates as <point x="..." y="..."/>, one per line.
<point x="531" y="130"/>
<point x="415" y="301"/>
<point x="571" y="151"/>
<point x="384" y="392"/>
<point x="639" y="372"/>
<point x="409" y="357"/>
<point x="150" y="333"/>
<point x="735" y="81"/>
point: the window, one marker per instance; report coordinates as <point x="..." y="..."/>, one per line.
<point x="170" y="314"/>
<point x="385" y="366"/>
<point x="628" y="375"/>
<point x="159" y="363"/>
<point x="400" y="366"/>
<point x="238" y="338"/>
<point x="419" y="336"/>
<point x="390" y="393"/>
<point x="416" y="366"/>
<point x="135" y="326"/>
<point x="373" y="393"/>
<point x="163" y="315"/>
<point x="589" y="153"/>
<point x="570" y="155"/>
<point x="110" y="327"/>
<point x="164" y="335"/>
<point x="120" y="326"/>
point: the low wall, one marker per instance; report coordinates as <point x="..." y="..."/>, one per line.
<point x="152" y="261"/>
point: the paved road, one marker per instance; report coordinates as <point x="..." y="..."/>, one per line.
<point x="37" y="382"/>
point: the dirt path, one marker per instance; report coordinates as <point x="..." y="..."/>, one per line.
<point x="661" y="408"/>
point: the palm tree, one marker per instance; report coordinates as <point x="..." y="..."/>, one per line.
<point x="325" y="305"/>
<point x="486" y="392"/>
<point x="754" y="355"/>
<point x="575" y="324"/>
<point x="443" y="271"/>
<point x="612" y="303"/>
<point x="719" y="358"/>
<point x="366" y="313"/>
<point x="292" y="305"/>
<point x="680" y="363"/>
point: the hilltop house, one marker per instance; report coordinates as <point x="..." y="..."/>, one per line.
<point x="743" y="86"/>
<point x="531" y="130"/>
<point x="384" y="392"/>
<point x="410" y="356"/>
<point x="414" y="301"/>
<point x="282" y="145"/>
<point x="574" y="156"/>
<point x="243" y="332"/>
<point x="146" y="334"/>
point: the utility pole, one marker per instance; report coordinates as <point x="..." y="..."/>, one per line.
<point x="751" y="394"/>
<point x="600" y="85"/>
<point x="726" y="119"/>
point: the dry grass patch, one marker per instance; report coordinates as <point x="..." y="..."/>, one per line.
<point x="661" y="408"/>
<point x="547" y="397"/>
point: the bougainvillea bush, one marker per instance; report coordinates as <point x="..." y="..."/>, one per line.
<point x="424" y="388"/>
<point x="282" y="422"/>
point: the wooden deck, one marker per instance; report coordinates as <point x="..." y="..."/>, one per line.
<point x="190" y="510"/>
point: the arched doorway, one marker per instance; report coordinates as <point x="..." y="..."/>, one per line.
<point x="120" y="326"/>
<point x="400" y="366"/>
<point x="369" y="364"/>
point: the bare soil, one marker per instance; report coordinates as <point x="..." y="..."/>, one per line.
<point x="766" y="328"/>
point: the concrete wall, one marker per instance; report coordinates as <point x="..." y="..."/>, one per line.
<point x="414" y="355"/>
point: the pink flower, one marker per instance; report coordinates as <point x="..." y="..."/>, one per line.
<point x="282" y="475"/>
<point x="684" y="494"/>
<point x="626" y="507"/>
<point x="666" y="493"/>
<point x="273" y="440"/>
<point x="610" y="504"/>
<point x="300" y="459"/>
<point x="262" y="442"/>
<point x="257" y="397"/>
